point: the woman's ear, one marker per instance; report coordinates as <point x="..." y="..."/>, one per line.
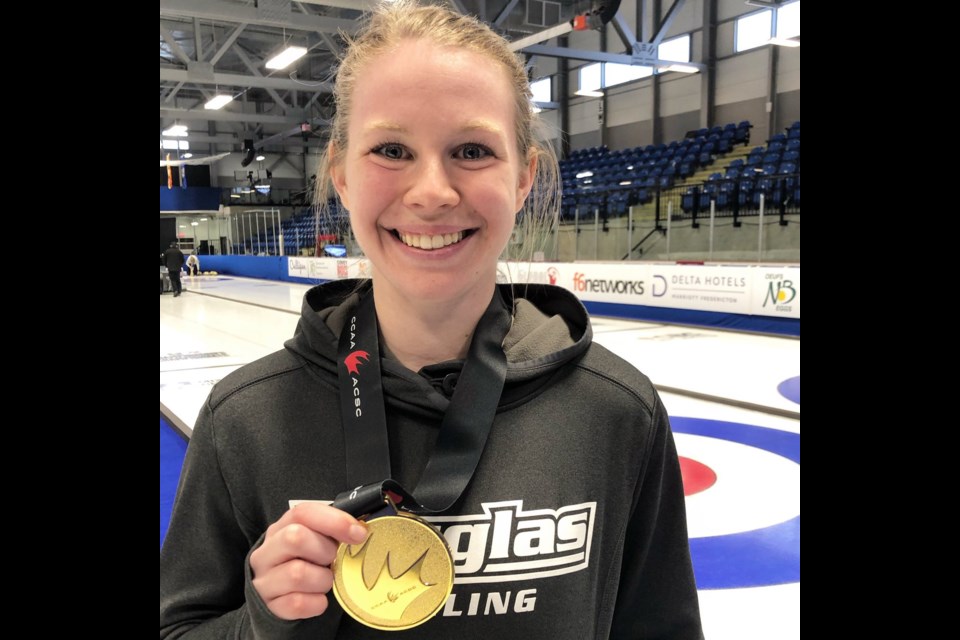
<point x="525" y="181"/>
<point x="338" y="176"/>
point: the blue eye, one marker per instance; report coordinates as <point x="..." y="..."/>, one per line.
<point x="474" y="152"/>
<point x="390" y="151"/>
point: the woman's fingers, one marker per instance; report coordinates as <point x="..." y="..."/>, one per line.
<point x="298" y="606"/>
<point x="291" y="569"/>
<point x="293" y="541"/>
<point x="295" y="576"/>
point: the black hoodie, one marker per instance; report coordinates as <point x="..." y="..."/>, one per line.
<point x="573" y="525"/>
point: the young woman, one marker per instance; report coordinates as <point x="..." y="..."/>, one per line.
<point x="542" y="465"/>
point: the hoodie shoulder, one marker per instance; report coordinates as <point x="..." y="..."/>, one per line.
<point x="267" y="368"/>
<point x="619" y="375"/>
<point x="314" y="344"/>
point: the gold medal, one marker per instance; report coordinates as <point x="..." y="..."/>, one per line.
<point x="399" y="578"/>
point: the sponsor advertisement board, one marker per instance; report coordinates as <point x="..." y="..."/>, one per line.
<point x="744" y="289"/>
<point x="298" y="267"/>
<point x="328" y="268"/>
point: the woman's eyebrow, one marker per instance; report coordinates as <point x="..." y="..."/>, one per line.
<point x="470" y="125"/>
<point x="384" y="125"/>
<point x="481" y="125"/>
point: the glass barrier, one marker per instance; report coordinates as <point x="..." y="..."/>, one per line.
<point x="736" y="220"/>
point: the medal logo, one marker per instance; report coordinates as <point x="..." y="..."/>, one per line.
<point x="390" y="593"/>
<point x="399" y="578"/>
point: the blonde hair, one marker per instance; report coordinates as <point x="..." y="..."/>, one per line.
<point x="392" y="23"/>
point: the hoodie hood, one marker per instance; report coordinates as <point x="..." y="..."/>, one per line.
<point x="550" y="328"/>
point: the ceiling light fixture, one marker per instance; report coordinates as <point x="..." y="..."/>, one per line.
<point x="588" y="93"/>
<point x="176" y="130"/>
<point x="286" y="57"/>
<point x="261" y="158"/>
<point x="785" y="42"/>
<point x="217" y="101"/>
<point x="682" y="68"/>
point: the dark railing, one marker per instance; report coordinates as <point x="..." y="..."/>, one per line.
<point x="636" y="247"/>
<point x="261" y="196"/>
<point x="734" y="198"/>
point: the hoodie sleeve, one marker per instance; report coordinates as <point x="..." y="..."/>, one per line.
<point x="658" y="594"/>
<point x="205" y="580"/>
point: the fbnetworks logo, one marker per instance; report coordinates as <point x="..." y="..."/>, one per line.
<point x="630" y="287"/>
<point x="553" y="274"/>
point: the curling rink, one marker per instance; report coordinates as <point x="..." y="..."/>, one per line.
<point x="733" y="398"/>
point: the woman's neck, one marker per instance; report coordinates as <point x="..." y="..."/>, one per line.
<point x="421" y="333"/>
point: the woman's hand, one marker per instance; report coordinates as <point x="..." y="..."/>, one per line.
<point x="291" y="569"/>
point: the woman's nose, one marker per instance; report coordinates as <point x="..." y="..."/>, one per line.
<point x="431" y="188"/>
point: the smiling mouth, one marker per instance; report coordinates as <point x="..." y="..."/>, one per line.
<point x="431" y="242"/>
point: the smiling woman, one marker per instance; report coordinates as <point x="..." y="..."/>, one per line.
<point x="435" y="408"/>
<point x="433" y="195"/>
<point x="434" y="151"/>
<point x="463" y="79"/>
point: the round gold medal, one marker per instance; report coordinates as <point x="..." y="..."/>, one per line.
<point x="399" y="578"/>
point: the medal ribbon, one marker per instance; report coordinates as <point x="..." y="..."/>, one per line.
<point x="463" y="431"/>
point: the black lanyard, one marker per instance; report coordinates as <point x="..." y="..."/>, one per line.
<point x="463" y="432"/>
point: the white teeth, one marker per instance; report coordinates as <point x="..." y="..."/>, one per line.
<point x="423" y="241"/>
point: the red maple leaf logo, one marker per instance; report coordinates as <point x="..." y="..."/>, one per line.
<point x="353" y="360"/>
